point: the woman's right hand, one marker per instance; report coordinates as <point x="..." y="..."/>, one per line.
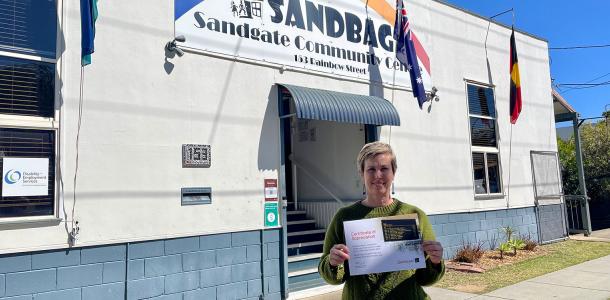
<point x="339" y="253"/>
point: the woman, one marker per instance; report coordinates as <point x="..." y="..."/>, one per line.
<point x="377" y="166"/>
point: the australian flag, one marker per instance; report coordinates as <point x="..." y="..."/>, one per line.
<point x="405" y="52"/>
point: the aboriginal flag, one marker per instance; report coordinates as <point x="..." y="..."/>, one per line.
<point x="515" y="84"/>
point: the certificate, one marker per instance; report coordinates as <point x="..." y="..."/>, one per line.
<point x="384" y="244"/>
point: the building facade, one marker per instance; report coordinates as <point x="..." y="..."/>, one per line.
<point x="208" y="168"/>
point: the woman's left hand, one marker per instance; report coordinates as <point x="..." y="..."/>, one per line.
<point x="435" y="250"/>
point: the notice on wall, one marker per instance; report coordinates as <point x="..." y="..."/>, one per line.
<point x="271" y="214"/>
<point x="270" y="190"/>
<point x="384" y="244"/>
<point x="25" y="176"/>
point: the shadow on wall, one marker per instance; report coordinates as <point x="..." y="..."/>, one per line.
<point x="269" y="143"/>
<point x="375" y="81"/>
<point x="59" y="103"/>
<point x="168" y="66"/>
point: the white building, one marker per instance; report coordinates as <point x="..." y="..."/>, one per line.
<point x="267" y="93"/>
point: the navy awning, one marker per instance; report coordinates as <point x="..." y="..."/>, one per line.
<point x="326" y="105"/>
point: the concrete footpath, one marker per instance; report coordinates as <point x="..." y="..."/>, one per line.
<point x="596" y="236"/>
<point x="589" y="280"/>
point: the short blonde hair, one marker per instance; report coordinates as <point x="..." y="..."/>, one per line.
<point x="373" y="149"/>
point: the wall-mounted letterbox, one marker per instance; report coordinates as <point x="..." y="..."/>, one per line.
<point x="196" y="196"/>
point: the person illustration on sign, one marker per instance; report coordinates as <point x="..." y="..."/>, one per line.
<point x="377" y="167"/>
<point x="242" y="8"/>
<point x="234" y="8"/>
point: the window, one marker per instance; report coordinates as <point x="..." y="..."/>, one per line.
<point x="28" y="34"/>
<point x="28" y="143"/>
<point x="484" y="141"/>
<point x="26" y="87"/>
<point x="28" y="27"/>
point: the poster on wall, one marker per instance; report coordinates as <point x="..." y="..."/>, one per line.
<point x="270" y="190"/>
<point x="345" y="38"/>
<point x="25" y="176"/>
<point x="271" y="214"/>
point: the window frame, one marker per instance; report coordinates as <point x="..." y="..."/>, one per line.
<point x="483" y="149"/>
<point x="41" y="123"/>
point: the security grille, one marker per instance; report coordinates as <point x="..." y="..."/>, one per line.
<point x="28" y="143"/>
<point x="545" y="166"/>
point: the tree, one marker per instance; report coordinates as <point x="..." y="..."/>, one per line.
<point x="595" y="144"/>
<point x="596" y="149"/>
<point x="569" y="171"/>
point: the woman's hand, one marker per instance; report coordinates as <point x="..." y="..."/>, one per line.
<point x="434" y="250"/>
<point x="339" y="253"/>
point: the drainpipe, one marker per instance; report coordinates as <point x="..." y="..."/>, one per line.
<point x="586" y="217"/>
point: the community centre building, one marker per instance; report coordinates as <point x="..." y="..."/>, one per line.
<point x="204" y="149"/>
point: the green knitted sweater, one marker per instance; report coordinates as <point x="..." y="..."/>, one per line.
<point x="391" y="285"/>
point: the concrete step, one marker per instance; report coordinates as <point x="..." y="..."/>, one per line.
<point x="306" y="236"/>
<point x="304" y="280"/>
<point x="303" y="262"/>
<point x="305" y="248"/>
<point x="301" y="225"/>
<point x="296" y="215"/>
<point x="305" y="232"/>
<point x="299" y="245"/>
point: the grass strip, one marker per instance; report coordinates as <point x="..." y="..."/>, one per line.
<point x="561" y="255"/>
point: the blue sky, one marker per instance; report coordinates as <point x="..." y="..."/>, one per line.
<point x="563" y="23"/>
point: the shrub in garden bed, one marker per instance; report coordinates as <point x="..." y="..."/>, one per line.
<point x="469" y="252"/>
<point x="530" y="244"/>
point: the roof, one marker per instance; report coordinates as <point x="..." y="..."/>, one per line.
<point x="560" y="104"/>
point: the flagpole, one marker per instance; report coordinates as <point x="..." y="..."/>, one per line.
<point x="393" y="90"/>
<point x="510" y="143"/>
<point x="510" y="153"/>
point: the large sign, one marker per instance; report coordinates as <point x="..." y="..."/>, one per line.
<point x="25" y="176"/>
<point x="345" y="38"/>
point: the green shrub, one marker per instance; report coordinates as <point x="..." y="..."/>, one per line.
<point x="508" y="232"/>
<point x="504" y="247"/>
<point x="530" y="244"/>
<point x="516" y="244"/>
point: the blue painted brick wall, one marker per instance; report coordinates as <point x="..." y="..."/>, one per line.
<point x="113" y="272"/>
<point x="55" y="259"/>
<point x="112" y="291"/>
<point x="223" y="266"/>
<point x="453" y="230"/>
<point x="103" y="254"/>
<point x="79" y="276"/>
<point x="15" y="263"/>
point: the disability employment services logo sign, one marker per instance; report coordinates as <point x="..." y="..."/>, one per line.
<point x="25" y="176"/>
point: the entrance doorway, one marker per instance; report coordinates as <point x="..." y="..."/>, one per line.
<point x="320" y="142"/>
